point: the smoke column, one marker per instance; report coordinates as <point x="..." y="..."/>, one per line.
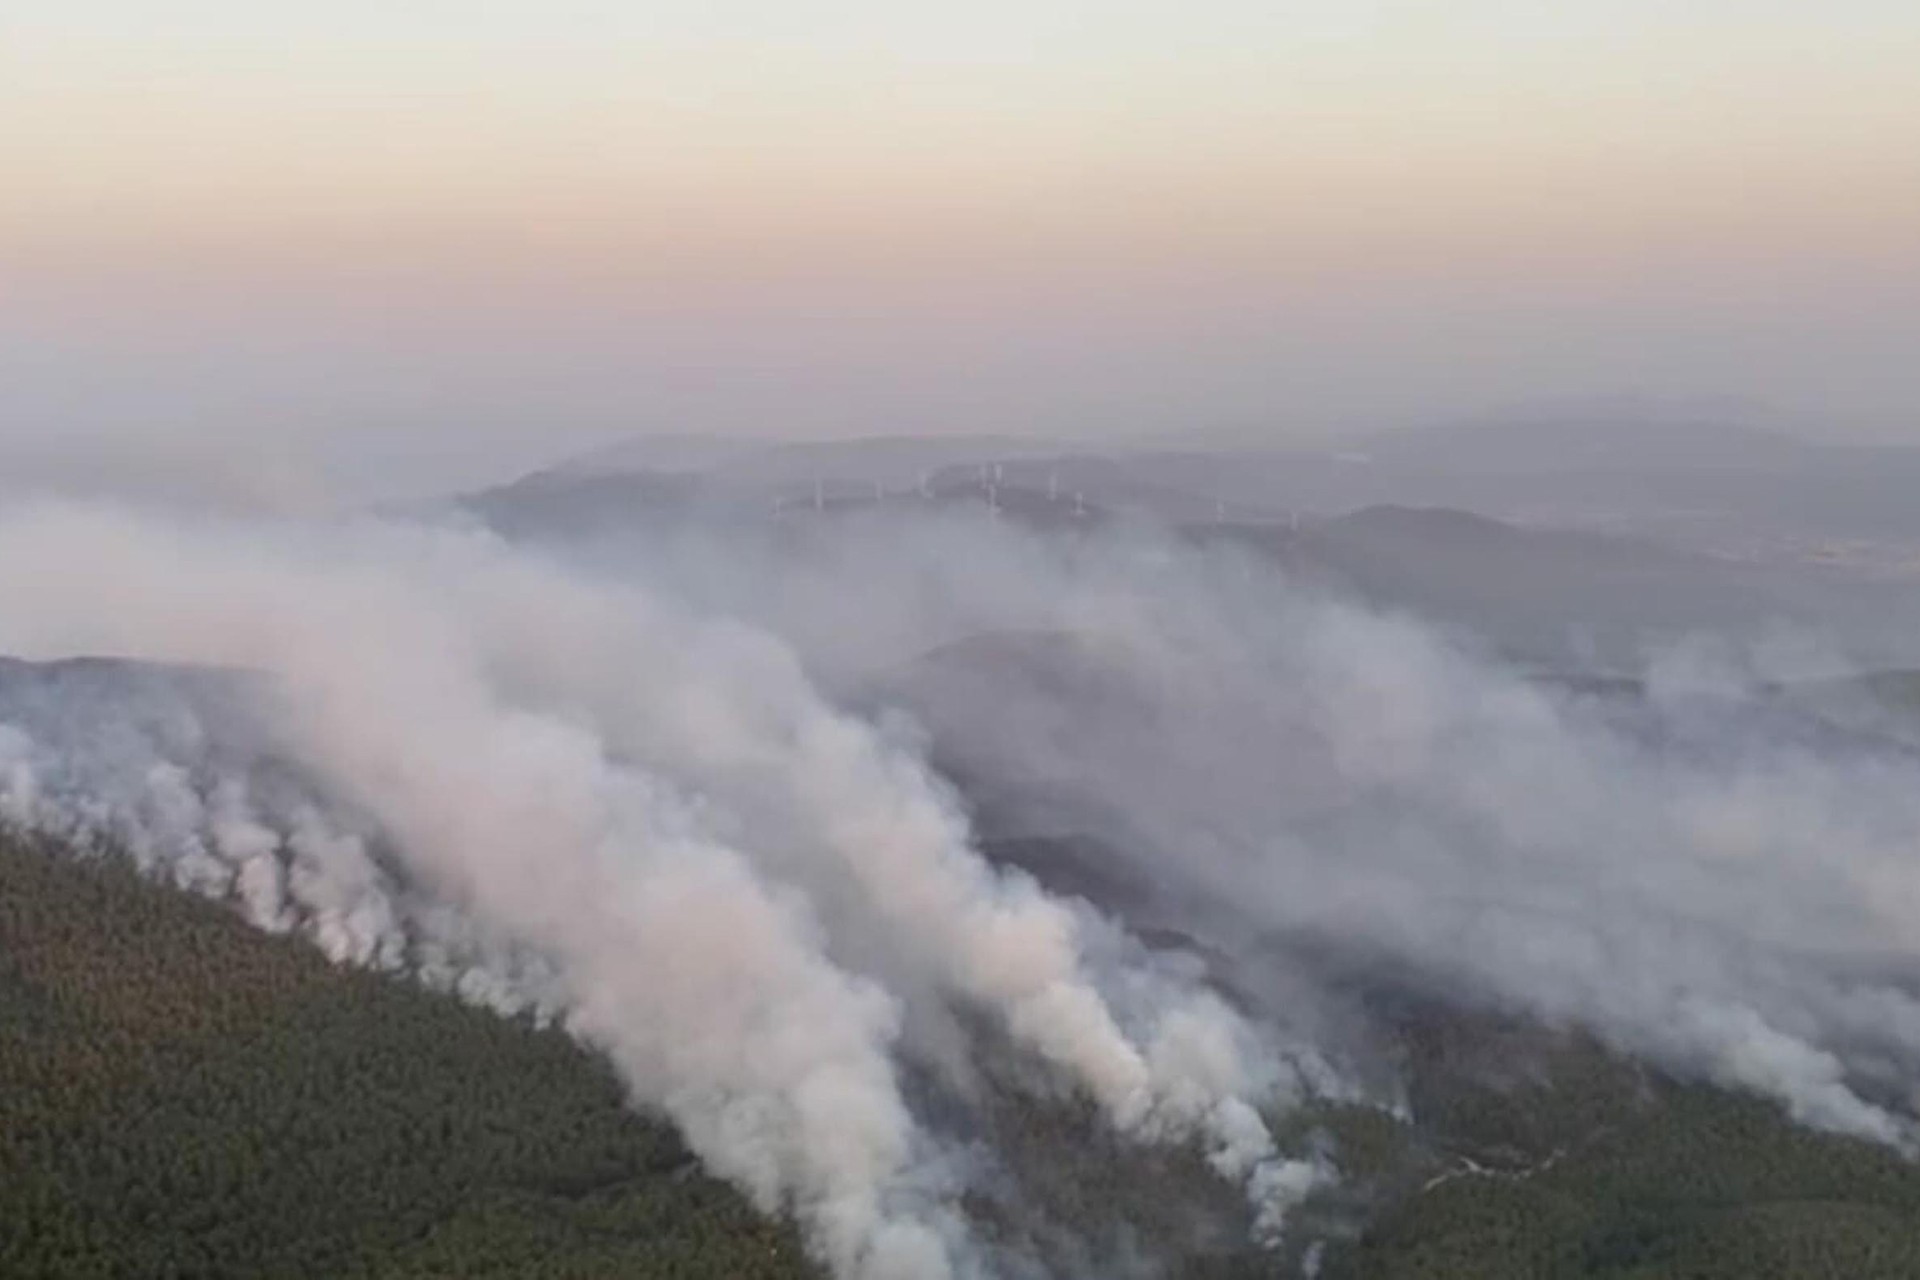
<point x="548" y="790"/>
<point x="1701" y="875"/>
<point x="733" y="808"/>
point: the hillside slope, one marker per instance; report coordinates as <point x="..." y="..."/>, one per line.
<point x="186" y="1096"/>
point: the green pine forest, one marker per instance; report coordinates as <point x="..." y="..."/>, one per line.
<point x="181" y="1095"/>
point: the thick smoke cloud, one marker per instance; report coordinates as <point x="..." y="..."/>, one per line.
<point x="745" y="808"/>
<point x="1719" y="880"/>
<point x="583" y="796"/>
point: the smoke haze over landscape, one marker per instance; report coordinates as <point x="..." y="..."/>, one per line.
<point x="1021" y="641"/>
<point x="757" y="810"/>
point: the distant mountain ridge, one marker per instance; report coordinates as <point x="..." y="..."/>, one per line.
<point x="1547" y="594"/>
<point x="1696" y="478"/>
<point x="1577" y="443"/>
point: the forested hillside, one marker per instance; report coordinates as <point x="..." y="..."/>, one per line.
<point x="183" y="1096"/>
<point x="1540" y="1157"/>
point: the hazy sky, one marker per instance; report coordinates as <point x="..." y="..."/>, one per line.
<point x="428" y="240"/>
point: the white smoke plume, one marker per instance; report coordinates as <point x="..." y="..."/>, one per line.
<point x="585" y="797"/>
<point x="691" y="795"/>
<point x="1718" y="881"/>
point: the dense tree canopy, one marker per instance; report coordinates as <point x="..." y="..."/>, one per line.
<point x="183" y="1096"/>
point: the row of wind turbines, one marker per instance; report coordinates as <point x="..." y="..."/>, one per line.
<point x="991" y="478"/>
